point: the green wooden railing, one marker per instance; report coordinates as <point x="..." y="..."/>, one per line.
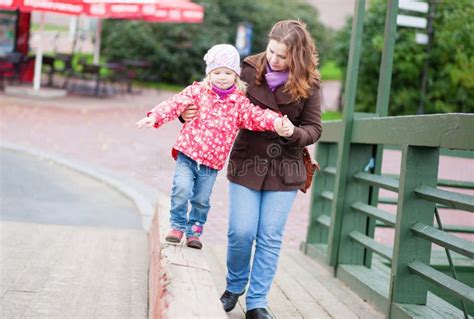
<point x="403" y="281"/>
<point x="419" y="196"/>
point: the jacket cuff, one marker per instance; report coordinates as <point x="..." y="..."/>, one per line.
<point x="293" y="139"/>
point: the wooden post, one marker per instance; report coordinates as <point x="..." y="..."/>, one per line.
<point x="344" y="142"/>
<point x="383" y="98"/>
<point x="351" y="252"/>
<point x="317" y="233"/>
<point x="385" y="79"/>
<point x="419" y="167"/>
<point x="326" y="155"/>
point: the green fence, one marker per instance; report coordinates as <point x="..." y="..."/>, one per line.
<point x="406" y="280"/>
<point x="344" y="238"/>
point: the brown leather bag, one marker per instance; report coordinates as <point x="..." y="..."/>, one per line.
<point x="311" y="167"/>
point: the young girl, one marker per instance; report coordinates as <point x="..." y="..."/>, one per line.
<point x="204" y="142"/>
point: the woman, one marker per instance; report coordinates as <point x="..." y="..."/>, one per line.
<point x="265" y="171"/>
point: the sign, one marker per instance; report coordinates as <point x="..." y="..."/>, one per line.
<point x="421" y="38"/>
<point x="243" y="40"/>
<point x="413" y="22"/>
<point x="7" y="32"/>
<point x="416" y="6"/>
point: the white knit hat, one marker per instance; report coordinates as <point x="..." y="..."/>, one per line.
<point x="222" y="55"/>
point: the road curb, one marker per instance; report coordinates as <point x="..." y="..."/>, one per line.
<point x="144" y="198"/>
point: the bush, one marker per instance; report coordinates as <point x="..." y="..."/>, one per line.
<point x="331" y="71"/>
<point x="451" y="61"/>
<point x="176" y="50"/>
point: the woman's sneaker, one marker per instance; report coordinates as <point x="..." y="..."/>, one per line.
<point x="193" y="242"/>
<point x="174" y="236"/>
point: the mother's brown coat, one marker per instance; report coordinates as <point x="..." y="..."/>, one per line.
<point x="264" y="160"/>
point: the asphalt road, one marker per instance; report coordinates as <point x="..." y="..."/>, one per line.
<point x="36" y="190"/>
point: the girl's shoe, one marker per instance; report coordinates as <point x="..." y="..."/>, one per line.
<point x="193" y="242"/>
<point x="174" y="236"/>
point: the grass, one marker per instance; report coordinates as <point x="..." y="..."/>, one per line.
<point x="49" y="27"/>
<point x="330" y="71"/>
<point x="331" y="115"/>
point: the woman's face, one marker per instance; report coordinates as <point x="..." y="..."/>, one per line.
<point x="277" y="55"/>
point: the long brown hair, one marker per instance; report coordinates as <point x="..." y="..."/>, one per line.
<point x="302" y="58"/>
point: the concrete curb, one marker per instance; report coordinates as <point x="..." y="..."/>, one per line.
<point x="142" y="196"/>
<point x="44" y="93"/>
<point x="188" y="289"/>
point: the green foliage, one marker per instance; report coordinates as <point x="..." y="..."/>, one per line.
<point x="176" y="50"/>
<point x="451" y="61"/>
<point x="331" y="71"/>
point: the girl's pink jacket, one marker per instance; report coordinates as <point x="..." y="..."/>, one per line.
<point x="208" y="137"/>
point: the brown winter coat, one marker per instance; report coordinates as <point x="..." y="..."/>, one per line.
<point x="264" y="160"/>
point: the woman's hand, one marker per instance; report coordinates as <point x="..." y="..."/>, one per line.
<point x="148" y="121"/>
<point x="189" y="113"/>
<point x="284" y="127"/>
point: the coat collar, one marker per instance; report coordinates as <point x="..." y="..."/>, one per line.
<point x="263" y="93"/>
<point x="233" y="97"/>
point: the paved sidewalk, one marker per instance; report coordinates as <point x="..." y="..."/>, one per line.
<point x="67" y="241"/>
<point x="58" y="271"/>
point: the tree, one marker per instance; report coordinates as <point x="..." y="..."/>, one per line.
<point x="451" y="61"/>
<point x="176" y="50"/>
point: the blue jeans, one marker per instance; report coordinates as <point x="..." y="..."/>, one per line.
<point x="258" y="216"/>
<point x="191" y="183"/>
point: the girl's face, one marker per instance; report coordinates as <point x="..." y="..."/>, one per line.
<point x="277" y="54"/>
<point x="223" y="78"/>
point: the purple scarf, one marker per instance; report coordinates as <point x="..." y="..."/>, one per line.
<point x="223" y="93"/>
<point x="275" y="78"/>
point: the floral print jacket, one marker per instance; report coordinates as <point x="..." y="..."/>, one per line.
<point x="208" y="137"/>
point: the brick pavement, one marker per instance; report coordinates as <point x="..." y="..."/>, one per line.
<point x="102" y="132"/>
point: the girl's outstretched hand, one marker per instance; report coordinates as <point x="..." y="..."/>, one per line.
<point x="148" y="121"/>
<point x="284" y="127"/>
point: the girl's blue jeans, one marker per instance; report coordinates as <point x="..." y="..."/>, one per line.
<point x="260" y="217"/>
<point x="192" y="183"/>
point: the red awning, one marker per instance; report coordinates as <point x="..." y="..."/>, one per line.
<point x="150" y="10"/>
